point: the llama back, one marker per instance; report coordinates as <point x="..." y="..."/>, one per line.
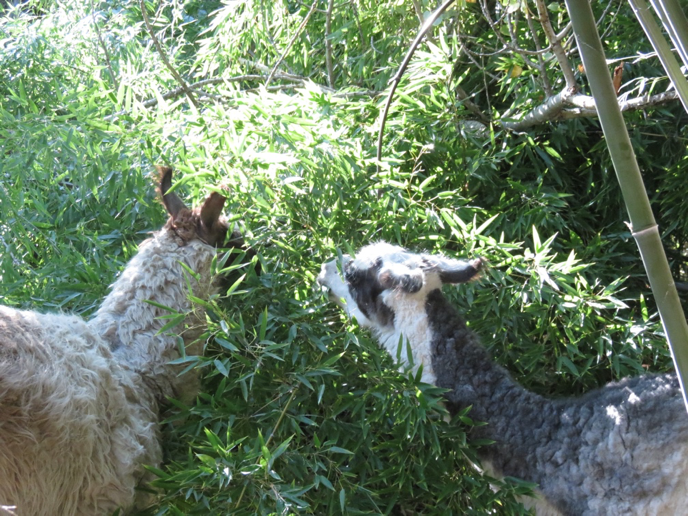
<point x="633" y="457"/>
<point x="70" y="420"/>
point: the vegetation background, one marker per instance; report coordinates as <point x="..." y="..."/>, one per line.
<point x="300" y="411"/>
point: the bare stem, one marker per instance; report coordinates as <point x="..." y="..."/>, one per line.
<point x="547" y="86"/>
<point x="427" y="26"/>
<point x="163" y="56"/>
<point x="291" y="43"/>
<point x="328" y="44"/>
<point x="105" y="50"/>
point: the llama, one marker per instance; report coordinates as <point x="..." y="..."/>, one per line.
<point x="80" y="401"/>
<point x="621" y="449"/>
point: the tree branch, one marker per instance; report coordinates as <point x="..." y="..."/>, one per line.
<point x="555" y="45"/>
<point x="567" y="105"/>
<point x="585" y="106"/>
<point x="171" y="68"/>
<point x="547" y="86"/>
<point x="291" y="43"/>
<point x="328" y="44"/>
<point x="105" y="50"/>
<point x="426" y="27"/>
<point x="545" y="112"/>
<point x="470" y="105"/>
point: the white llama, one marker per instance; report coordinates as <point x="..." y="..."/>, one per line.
<point x="80" y="401"/>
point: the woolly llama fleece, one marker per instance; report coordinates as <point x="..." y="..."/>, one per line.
<point x="80" y="401"/>
<point x="621" y="449"/>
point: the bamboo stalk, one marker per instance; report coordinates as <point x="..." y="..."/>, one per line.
<point x="666" y="56"/>
<point x="643" y="225"/>
<point x="675" y="23"/>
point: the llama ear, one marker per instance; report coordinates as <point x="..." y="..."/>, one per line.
<point x="212" y="209"/>
<point x="173" y="204"/>
<point x="398" y="276"/>
<point x="457" y="271"/>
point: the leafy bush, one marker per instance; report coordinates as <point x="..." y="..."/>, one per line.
<point x="300" y="411"/>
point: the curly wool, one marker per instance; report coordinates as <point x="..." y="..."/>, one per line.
<point x="621" y="449"/>
<point x="79" y="401"/>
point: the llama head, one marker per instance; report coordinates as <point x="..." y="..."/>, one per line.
<point x="204" y="223"/>
<point x="385" y="279"/>
<point x="386" y="287"/>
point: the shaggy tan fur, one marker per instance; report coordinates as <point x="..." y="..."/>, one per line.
<point x="79" y="401"/>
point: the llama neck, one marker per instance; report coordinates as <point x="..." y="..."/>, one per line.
<point x="516" y="418"/>
<point x="408" y="328"/>
<point x="131" y="325"/>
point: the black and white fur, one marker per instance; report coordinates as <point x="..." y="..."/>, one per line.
<point x="621" y="449"/>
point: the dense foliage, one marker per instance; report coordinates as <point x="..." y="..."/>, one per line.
<point x="301" y="412"/>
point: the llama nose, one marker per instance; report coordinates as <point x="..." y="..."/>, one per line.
<point x="327" y="271"/>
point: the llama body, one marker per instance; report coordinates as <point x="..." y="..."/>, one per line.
<point x="621" y="449"/>
<point x="80" y="401"/>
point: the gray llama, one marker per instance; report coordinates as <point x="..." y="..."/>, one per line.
<point x="621" y="449"/>
<point x="80" y="401"/>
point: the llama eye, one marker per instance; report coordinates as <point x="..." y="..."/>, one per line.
<point x="351" y="273"/>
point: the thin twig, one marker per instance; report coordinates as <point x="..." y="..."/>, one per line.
<point x="274" y="429"/>
<point x="541" y="63"/>
<point x="555" y="45"/>
<point x="328" y="44"/>
<point x="470" y="105"/>
<point x="427" y="26"/>
<point x="291" y="43"/>
<point x="102" y="44"/>
<point x="294" y="79"/>
<point x="354" y="8"/>
<point x="495" y="29"/>
<point x="514" y="39"/>
<point x="419" y="11"/>
<point x="562" y="34"/>
<point x="171" y="68"/>
<point x="266" y="28"/>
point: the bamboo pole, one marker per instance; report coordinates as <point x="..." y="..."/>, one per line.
<point x="654" y="34"/>
<point x="643" y="225"/>
<point x="675" y="23"/>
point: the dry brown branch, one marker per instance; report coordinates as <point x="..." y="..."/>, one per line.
<point x="163" y="56"/>
<point x="618" y="77"/>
